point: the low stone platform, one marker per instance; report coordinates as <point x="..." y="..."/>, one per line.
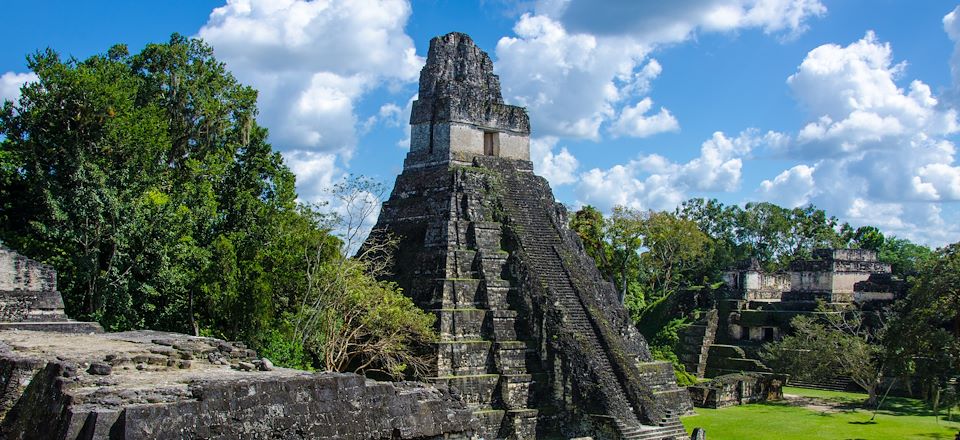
<point x="738" y="389"/>
<point x="140" y="385"/>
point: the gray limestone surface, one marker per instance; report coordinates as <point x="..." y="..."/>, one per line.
<point x="155" y="385"/>
<point x="29" y="298"/>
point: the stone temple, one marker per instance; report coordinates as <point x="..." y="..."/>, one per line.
<point x="755" y="307"/>
<point x="532" y="338"/>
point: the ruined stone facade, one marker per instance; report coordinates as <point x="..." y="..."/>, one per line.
<point x="755" y="307"/>
<point x="532" y="338"/>
<point x="459" y="113"/>
<point x="153" y="385"/>
<point x="29" y="299"/>
<point x="738" y="389"/>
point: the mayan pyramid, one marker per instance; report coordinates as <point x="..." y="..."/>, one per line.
<point x="532" y="338"/>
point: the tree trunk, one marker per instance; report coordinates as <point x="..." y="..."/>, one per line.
<point x="193" y="321"/>
<point x="871" y="396"/>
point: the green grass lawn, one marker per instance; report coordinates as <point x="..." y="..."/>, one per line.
<point x="840" y="417"/>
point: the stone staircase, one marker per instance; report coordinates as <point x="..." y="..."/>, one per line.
<point x="541" y="241"/>
<point x="695" y="342"/>
<point x="830" y="384"/>
<point x="669" y="427"/>
<point x="479" y="355"/>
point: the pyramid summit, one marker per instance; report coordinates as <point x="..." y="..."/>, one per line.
<point x="532" y="338"/>
<point x="459" y="113"/>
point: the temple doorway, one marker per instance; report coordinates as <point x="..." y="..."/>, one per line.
<point x="491" y="143"/>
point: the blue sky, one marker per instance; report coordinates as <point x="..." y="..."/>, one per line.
<point x="845" y="104"/>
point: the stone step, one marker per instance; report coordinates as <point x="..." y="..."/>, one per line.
<point x="54" y="326"/>
<point x="477" y="391"/>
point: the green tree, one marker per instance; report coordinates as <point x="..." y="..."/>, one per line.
<point x="625" y="235"/>
<point x="833" y="343"/>
<point x="925" y="331"/>
<point x="145" y="180"/>
<point x="676" y="253"/>
<point x="773" y="235"/>
<point x="905" y="257"/>
<point x="869" y="237"/>
<point x="591" y="227"/>
<point x="349" y="319"/>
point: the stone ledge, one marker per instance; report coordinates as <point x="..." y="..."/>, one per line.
<point x="51" y="391"/>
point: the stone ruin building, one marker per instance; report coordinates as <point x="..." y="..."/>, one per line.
<point x="29" y="299"/>
<point x="755" y="307"/>
<point x="532" y="338"/>
<point x="62" y="379"/>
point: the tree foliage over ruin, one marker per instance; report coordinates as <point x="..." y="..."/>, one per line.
<point x="145" y="180"/>
<point x="925" y="332"/>
<point x="831" y="343"/>
<point x="663" y="262"/>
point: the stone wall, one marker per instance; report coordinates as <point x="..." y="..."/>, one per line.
<point x="152" y="385"/>
<point x="695" y="342"/>
<point x="738" y="389"/>
<point x="461" y="142"/>
<point x="21" y="273"/>
<point x="29" y="298"/>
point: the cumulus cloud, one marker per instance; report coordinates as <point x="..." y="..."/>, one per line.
<point x="568" y="81"/>
<point x="11" y="82"/>
<point x="316" y="173"/>
<point x="791" y="188"/>
<point x="312" y="61"/>
<point x="577" y="66"/>
<point x="634" y="121"/>
<point x="558" y="168"/>
<point x="872" y="146"/>
<point x="655" y="182"/>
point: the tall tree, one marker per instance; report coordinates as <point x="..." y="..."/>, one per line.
<point x="926" y="329"/>
<point x="625" y="232"/>
<point x="676" y="255"/>
<point x="833" y="343"/>
<point x="145" y="180"/>
<point x="905" y="257"/>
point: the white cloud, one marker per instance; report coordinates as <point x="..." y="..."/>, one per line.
<point x="558" y="168"/>
<point x="951" y="24"/>
<point x="11" y="82"/>
<point x="567" y="81"/>
<point x="790" y="188"/>
<point x="634" y="121"/>
<point x="655" y="182"/>
<point x="577" y="66"/>
<point x="316" y="174"/>
<point x="312" y="61"/>
<point x="875" y="153"/>
<point x="678" y="20"/>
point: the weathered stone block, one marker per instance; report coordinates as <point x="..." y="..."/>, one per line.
<point x="476" y="391"/>
<point x="515" y="390"/>
<point x="510" y="357"/>
<point x="461" y="324"/>
<point x="460" y="293"/>
<point x="503" y="325"/>
<point x="463" y="358"/>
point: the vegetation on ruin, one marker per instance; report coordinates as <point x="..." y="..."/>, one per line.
<point x="815" y="414"/>
<point x="833" y="343"/>
<point x="915" y="342"/>
<point x="145" y="180"/>
<point x="666" y="264"/>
